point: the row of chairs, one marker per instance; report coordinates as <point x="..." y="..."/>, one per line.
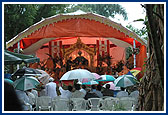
<point x="45" y="103"/>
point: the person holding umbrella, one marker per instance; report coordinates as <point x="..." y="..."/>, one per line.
<point x="122" y="93"/>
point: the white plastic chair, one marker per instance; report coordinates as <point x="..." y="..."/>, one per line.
<point x="109" y="103"/>
<point x="43" y="103"/>
<point x="56" y="98"/>
<point x="127" y="103"/>
<point x="103" y="105"/>
<point x="94" y="103"/>
<point x="78" y="104"/>
<point x="60" y="104"/>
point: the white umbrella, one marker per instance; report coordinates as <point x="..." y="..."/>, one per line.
<point x="77" y="74"/>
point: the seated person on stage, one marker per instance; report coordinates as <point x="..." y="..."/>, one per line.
<point x="69" y="64"/>
<point x="80" y="61"/>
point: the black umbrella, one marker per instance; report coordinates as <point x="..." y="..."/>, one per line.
<point x="27" y="72"/>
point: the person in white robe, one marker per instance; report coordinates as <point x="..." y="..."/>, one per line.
<point x="50" y="88"/>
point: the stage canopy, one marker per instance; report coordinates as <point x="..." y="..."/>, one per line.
<point x="77" y="24"/>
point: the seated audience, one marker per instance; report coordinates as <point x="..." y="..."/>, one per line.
<point x="83" y="89"/>
<point x="98" y="91"/>
<point x="107" y="91"/>
<point x="122" y="93"/>
<point x="66" y="93"/>
<point x="77" y="93"/>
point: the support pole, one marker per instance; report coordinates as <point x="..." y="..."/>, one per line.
<point x="18" y="53"/>
<point x="134" y="46"/>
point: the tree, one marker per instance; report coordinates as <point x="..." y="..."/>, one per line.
<point x="102" y="9"/>
<point x="152" y="85"/>
<point x="47" y="10"/>
<point x="142" y="33"/>
<point x="18" y="17"/>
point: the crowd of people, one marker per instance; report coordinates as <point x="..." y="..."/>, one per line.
<point x="27" y="98"/>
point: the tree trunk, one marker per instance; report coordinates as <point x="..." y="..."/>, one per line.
<point x="152" y="85"/>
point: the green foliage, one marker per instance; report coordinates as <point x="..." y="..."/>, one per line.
<point x="18" y="17"/>
<point x="128" y="52"/>
<point x="47" y="10"/>
<point x="102" y="9"/>
<point x="140" y="32"/>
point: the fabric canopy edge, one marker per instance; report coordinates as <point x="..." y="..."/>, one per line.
<point x="61" y="17"/>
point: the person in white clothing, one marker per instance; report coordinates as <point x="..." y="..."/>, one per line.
<point x="122" y="93"/>
<point x="34" y="92"/>
<point x="83" y="89"/>
<point x="50" y="88"/>
<point x="24" y="99"/>
<point x="31" y="97"/>
<point x="66" y="93"/>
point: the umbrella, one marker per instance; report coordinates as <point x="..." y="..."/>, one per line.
<point x="125" y="81"/>
<point x="27" y="72"/>
<point x="25" y="83"/>
<point x="8" y="80"/>
<point x="85" y="80"/>
<point x="15" y="58"/>
<point x="77" y="74"/>
<point x="97" y="76"/>
<point x="112" y="86"/>
<point x="90" y="83"/>
<point x="106" y="78"/>
<point x="135" y="71"/>
<point x="44" y="78"/>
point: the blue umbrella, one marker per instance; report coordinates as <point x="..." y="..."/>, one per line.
<point x="90" y="83"/>
<point x="106" y="78"/>
<point x="8" y="81"/>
